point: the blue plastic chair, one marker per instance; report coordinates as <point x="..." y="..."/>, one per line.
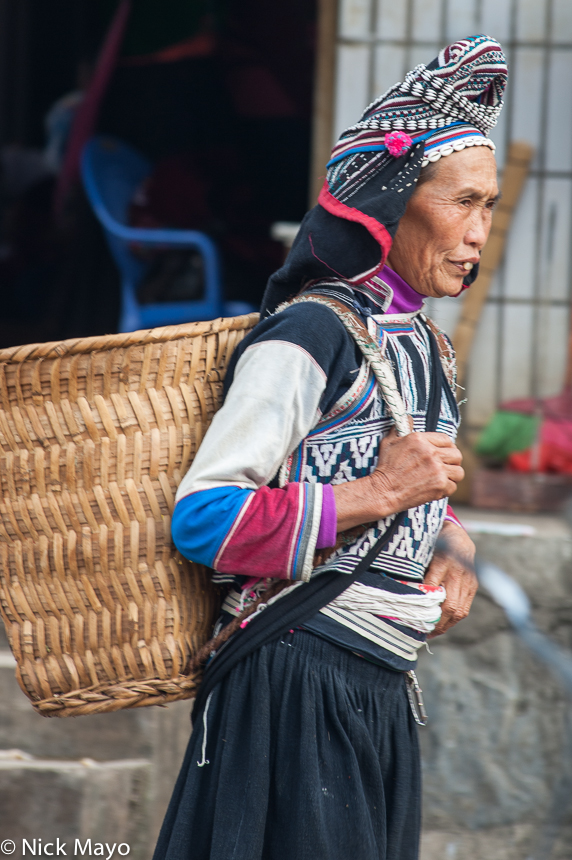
<point x="111" y="173"/>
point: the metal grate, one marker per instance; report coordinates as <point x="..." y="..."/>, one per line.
<point x="521" y="345"/>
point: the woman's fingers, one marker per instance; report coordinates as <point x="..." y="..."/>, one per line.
<point x="461" y="588"/>
<point x="447" y="449"/>
<point x="418" y="468"/>
<point x="453" y="569"/>
<point x="440" y="440"/>
<point x="455" y="473"/>
<point x="450" y="456"/>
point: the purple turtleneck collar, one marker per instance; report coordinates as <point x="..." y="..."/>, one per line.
<point x="400" y="298"/>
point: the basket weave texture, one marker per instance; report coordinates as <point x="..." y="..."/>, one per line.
<point x="95" y="435"/>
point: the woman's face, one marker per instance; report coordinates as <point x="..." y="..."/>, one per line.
<point x="446" y="223"/>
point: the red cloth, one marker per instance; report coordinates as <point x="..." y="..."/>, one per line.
<point x="85" y="118"/>
<point x="452" y="517"/>
<point x="554" y="453"/>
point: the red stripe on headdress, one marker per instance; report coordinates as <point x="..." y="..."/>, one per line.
<point x="374" y="228"/>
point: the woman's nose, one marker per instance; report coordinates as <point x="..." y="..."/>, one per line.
<point x="478" y="230"/>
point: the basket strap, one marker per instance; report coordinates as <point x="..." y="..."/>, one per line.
<point x="442" y="362"/>
<point x="381" y="366"/>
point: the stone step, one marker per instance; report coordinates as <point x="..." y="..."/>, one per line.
<point x="124" y="734"/>
<point x="131" y="733"/>
<point x="156" y="735"/>
<point x="52" y="800"/>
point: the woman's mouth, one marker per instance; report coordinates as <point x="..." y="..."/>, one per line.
<point x="462" y="265"/>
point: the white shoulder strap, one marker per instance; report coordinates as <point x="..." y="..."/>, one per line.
<point x="380" y="366"/>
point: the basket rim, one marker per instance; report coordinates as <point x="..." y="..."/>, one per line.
<point x="101" y="343"/>
<point x="122" y="695"/>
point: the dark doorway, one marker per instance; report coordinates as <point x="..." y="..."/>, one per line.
<point x="217" y="93"/>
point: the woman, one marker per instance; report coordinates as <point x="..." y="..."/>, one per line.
<point x="306" y="747"/>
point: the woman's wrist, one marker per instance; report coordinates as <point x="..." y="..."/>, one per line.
<point x="386" y="502"/>
<point x="364" y="500"/>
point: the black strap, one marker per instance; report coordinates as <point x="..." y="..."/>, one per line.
<point x="304" y="602"/>
<point x="289" y="611"/>
<point x="435" y="383"/>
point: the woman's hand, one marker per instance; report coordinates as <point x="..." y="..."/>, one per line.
<point x="415" y="469"/>
<point x="410" y="471"/>
<point x="453" y="568"/>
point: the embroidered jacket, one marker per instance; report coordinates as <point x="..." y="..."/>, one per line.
<point x="303" y="410"/>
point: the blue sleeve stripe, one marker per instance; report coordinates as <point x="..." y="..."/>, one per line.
<point x="202" y="521"/>
<point x="301" y="534"/>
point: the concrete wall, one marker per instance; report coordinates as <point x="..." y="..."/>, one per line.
<point x="499" y="738"/>
<point x="493" y="754"/>
<point x="521" y="344"/>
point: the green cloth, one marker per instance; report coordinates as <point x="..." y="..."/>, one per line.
<point x="506" y="433"/>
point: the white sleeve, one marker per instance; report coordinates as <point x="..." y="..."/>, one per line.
<point x="272" y="404"/>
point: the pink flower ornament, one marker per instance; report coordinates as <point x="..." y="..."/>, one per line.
<point x="397" y="142"/>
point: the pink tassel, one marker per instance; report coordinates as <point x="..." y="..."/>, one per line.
<point x="397" y="143"/>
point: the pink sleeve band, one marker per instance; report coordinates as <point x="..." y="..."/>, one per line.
<point x="329" y="520"/>
<point x="451" y="517"/>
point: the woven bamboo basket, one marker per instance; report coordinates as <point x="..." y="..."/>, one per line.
<point x="95" y="435"/>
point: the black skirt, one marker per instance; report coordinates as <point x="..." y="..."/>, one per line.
<point x="312" y="755"/>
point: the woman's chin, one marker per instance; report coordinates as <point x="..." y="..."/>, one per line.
<point x="448" y="287"/>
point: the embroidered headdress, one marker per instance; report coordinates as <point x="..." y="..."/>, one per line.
<point x="438" y="109"/>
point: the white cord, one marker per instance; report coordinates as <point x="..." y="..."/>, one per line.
<point x="420" y="611"/>
<point x="204" y="747"/>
